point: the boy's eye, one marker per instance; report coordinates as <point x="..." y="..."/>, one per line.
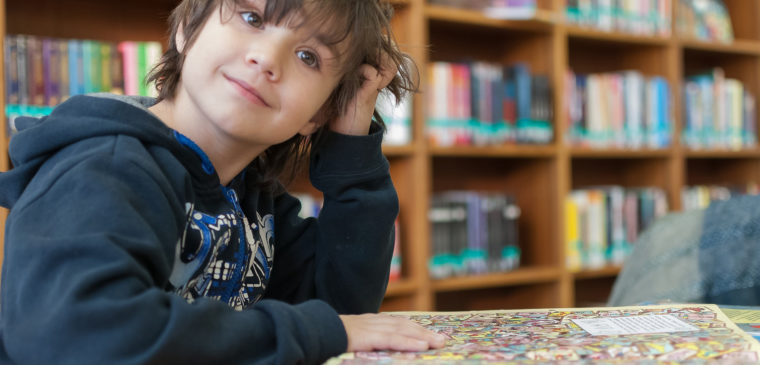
<point x="253" y="19"/>
<point x="310" y="59"/>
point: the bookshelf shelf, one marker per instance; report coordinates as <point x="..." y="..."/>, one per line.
<point x="522" y="276"/>
<point x="603" y="272"/>
<point x="538" y="176"/>
<point x="739" y="46"/>
<point x="401" y="288"/>
<point x="721" y="154"/>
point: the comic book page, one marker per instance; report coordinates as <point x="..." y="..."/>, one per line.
<point x="675" y="333"/>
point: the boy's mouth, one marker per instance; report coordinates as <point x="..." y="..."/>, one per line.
<point x="247" y="91"/>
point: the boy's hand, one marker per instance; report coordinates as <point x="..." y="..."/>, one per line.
<point x="358" y="116"/>
<point x="370" y="332"/>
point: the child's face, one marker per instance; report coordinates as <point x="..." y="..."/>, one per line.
<point x="253" y="82"/>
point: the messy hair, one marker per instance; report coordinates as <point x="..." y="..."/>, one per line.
<point x="364" y="25"/>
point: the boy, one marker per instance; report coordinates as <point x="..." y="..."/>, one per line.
<point x="155" y="231"/>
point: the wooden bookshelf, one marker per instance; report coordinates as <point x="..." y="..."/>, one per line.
<point x="4" y="160"/>
<point x="539" y="176"/>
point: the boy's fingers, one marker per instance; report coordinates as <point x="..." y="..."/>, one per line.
<point x="415" y="331"/>
<point x="384" y="332"/>
<point x="387" y="70"/>
<point x="373" y="78"/>
<point x="401" y="343"/>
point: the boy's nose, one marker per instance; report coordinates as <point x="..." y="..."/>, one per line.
<point x="268" y="59"/>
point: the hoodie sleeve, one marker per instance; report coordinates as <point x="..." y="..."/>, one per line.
<point x="89" y="250"/>
<point x="343" y="256"/>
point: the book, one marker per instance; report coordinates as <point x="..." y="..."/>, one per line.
<point x="11" y="70"/>
<point x="35" y="71"/>
<point x="675" y="333"/>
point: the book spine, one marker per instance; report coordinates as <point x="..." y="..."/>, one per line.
<point x="35" y="71"/>
<point x="153" y="57"/>
<point x="142" y="69"/>
<point x="11" y="70"/>
<point x="128" y="51"/>
<point x="63" y="69"/>
<point x="105" y="67"/>
<point x="22" y="64"/>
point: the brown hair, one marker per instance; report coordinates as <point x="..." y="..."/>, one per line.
<point x="363" y="24"/>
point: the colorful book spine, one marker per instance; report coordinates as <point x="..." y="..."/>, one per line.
<point x="153" y="56"/>
<point x="63" y="70"/>
<point x="603" y="223"/>
<point x="76" y="68"/>
<point x="10" y="62"/>
<point x="35" y="71"/>
<point x="128" y="51"/>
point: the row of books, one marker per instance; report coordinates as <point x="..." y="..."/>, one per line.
<point x="310" y="207"/>
<point x="473" y="233"/>
<point x="700" y="196"/>
<point x="641" y="17"/>
<point x="705" y="20"/>
<point x="42" y="72"/>
<point x="480" y="103"/>
<point x="719" y="112"/>
<point x="620" y="109"/>
<point x="602" y="223"/>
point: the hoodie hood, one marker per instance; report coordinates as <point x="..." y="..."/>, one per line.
<point x="79" y="118"/>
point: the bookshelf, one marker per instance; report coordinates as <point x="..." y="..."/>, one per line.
<point x="4" y="160"/>
<point x="540" y="176"/>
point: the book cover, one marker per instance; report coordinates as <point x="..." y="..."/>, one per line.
<point x="675" y="333"/>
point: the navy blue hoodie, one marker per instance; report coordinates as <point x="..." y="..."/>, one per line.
<point x="122" y="247"/>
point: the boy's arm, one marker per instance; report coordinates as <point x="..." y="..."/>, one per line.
<point x="343" y="256"/>
<point x="89" y="250"/>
